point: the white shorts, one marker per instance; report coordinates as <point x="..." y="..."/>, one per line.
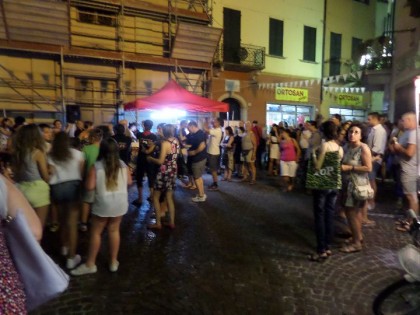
<point x="288" y="168"/>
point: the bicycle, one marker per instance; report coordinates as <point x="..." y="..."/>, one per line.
<point x="403" y="296"/>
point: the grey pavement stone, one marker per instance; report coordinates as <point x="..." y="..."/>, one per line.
<point x="243" y="251"/>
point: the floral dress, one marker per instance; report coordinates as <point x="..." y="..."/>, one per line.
<point x="12" y="295"/>
<point x="167" y="172"/>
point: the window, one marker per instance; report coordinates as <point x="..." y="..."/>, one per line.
<point x="293" y="115"/>
<point x="309" y="43"/>
<point x="349" y="114"/>
<point x="356" y="44"/>
<point x="276" y="38"/>
<point x="335" y="53"/>
<point x="94" y="16"/>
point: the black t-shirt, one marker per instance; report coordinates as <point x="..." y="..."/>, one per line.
<point x="143" y="137"/>
<point x="124" y="147"/>
<point x="194" y="139"/>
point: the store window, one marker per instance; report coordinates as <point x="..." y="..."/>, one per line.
<point x="349" y="114"/>
<point x="293" y="115"/>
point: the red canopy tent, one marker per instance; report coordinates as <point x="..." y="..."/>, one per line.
<point x="174" y="96"/>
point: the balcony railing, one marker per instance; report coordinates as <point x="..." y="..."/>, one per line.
<point x="244" y="58"/>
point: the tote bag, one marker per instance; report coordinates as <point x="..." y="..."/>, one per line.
<point x="42" y="278"/>
<point x="328" y="177"/>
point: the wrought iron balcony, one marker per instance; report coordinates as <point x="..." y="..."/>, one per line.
<point x="245" y="58"/>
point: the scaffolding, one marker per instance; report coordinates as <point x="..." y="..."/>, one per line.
<point x="109" y="36"/>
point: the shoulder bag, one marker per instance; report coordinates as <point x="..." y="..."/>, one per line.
<point x="328" y="177"/>
<point x="42" y="278"/>
<point x="361" y="192"/>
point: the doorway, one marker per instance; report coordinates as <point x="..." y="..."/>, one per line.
<point x="234" y="109"/>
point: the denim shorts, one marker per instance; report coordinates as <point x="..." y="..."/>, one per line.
<point x="66" y="192"/>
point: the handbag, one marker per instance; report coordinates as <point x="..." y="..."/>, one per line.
<point x="328" y="177"/>
<point x="361" y="192"/>
<point x="42" y="278"/>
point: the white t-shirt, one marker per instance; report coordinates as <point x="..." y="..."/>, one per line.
<point x="67" y="171"/>
<point x="215" y="137"/>
<point x="304" y="139"/>
<point x="110" y="203"/>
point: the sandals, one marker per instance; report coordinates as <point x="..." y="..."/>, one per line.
<point x="348" y="249"/>
<point x="350" y="241"/>
<point x="402" y="225"/>
<point x="369" y="223"/>
<point x="319" y="257"/>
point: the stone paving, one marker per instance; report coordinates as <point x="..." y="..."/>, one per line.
<point x="243" y="251"/>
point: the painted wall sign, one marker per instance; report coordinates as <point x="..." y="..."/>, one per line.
<point x="291" y="94"/>
<point x="350" y="99"/>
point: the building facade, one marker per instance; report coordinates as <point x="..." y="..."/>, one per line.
<point x="311" y="58"/>
<point x="274" y="61"/>
<point x="83" y="59"/>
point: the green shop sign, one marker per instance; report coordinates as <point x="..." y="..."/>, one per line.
<point x="290" y="94"/>
<point x="350" y="99"/>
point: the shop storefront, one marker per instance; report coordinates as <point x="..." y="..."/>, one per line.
<point x="293" y="115"/>
<point x="349" y="106"/>
<point x="283" y="110"/>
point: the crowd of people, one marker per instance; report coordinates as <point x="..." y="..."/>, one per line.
<point x="76" y="178"/>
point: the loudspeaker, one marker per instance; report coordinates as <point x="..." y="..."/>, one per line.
<point x="72" y="113"/>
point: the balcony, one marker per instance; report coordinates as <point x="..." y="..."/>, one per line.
<point x="246" y="58"/>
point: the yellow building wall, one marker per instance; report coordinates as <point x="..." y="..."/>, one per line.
<point x="255" y="17"/>
<point x="350" y="19"/>
<point x="31" y="80"/>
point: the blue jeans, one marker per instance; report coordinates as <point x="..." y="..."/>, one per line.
<point x="324" y="207"/>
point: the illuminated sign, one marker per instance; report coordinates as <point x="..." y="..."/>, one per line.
<point x="350" y="99"/>
<point x="290" y="94"/>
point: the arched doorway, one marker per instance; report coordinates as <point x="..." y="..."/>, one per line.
<point x="234" y="109"/>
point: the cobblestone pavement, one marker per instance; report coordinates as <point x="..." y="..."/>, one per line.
<point x="243" y="251"/>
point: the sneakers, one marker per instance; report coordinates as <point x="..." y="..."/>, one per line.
<point x="213" y="187"/>
<point x="199" y="198"/>
<point x="73" y="262"/>
<point x="83" y="270"/>
<point x="113" y="267"/>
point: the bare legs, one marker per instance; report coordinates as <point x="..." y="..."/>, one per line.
<point x="271" y="164"/>
<point x="42" y="213"/>
<point x="200" y="186"/>
<point x="98" y="225"/>
<point x="287" y="183"/>
<point x="354" y="217"/>
<point x="169" y="200"/>
<point x="68" y="222"/>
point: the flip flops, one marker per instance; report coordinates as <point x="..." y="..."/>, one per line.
<point x="348" y="249"/>
<point x="402" y="226"/>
